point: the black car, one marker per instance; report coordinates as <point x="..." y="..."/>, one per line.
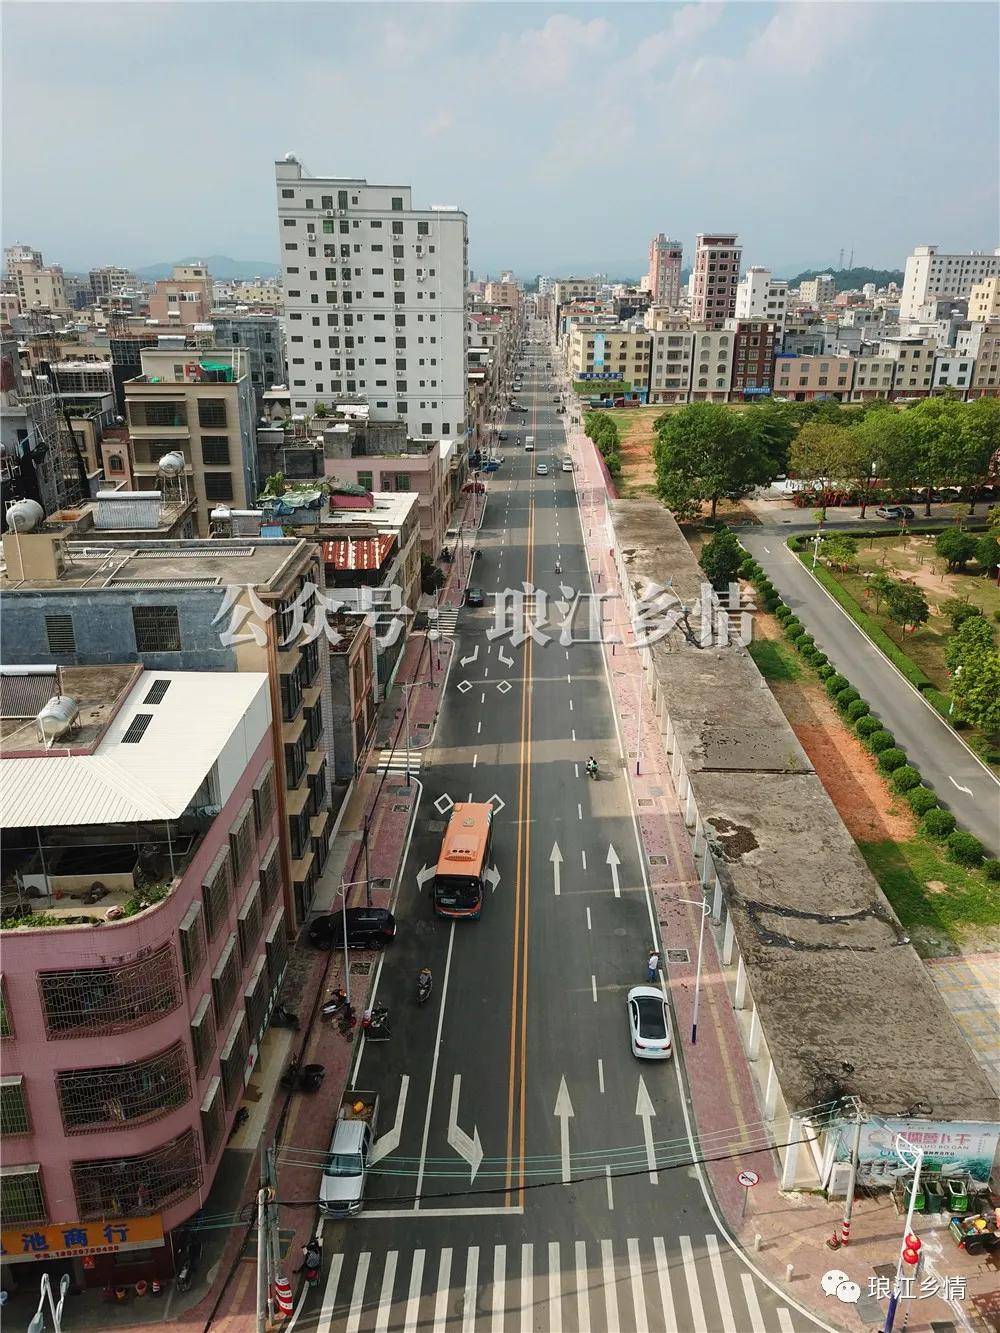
<point x="503" y="435"/>
<point x="516" y="407"/>
<point x="896" y="512"/>
<point x="367" y="928"/>
<point x="474" y="597"/>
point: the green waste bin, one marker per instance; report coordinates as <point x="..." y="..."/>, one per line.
<point x="958" y="1194"/>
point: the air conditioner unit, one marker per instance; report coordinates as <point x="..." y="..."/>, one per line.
<point x="329" y="213"/>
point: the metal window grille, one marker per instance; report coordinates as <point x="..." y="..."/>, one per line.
<point x="97" y="1001"/>
<point x="213" y="1118"/>
<point x="241" y="841"/>
<point x="203" y="1034"/>
<point x="191" y="937"/>
<point x="233" y="1060"/>
<point x="270" y="875"/>
<point x="136" y="729"/>
<point x="263" y="799"/>
<point x="215" y="449"/>
<point x="277" y="949"/>
<point x="255" y="998"/>
<point x="211" y="411"/>
<point x="216" y="891"/>
<point x="14" y="1115"/>
<point x="22" y="1198"/>
<point x="112" y="1096"/>
<point x="248" y="922"/>
<point x="59" y="633"/>
<point x="6" y="1026"/>
<point x="157" y="629"/>
<point x="140" y="1185"/>
<point x="160" y="414"/>
<point x="218" y="485"/>
<point x="225" y="979"/>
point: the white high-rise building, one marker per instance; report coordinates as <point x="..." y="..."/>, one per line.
<point x="930" y="275"/>
<point x="374" y="299"/>
<point x="762" y="296"/>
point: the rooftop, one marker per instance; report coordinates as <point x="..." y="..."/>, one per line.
<point x="347" y="553"/>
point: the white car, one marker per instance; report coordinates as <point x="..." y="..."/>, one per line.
<point x="648" y="1024"/>
<point x="542" y="470"/>
<point x="567" y="465"/>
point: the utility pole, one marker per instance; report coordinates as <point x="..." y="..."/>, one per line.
<point x="845" y="1229"/>
<point x="262" y="1248"/>
<point x="274" y="1255"/>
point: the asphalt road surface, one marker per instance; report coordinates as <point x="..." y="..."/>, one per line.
<point x="965" y="785"/>
<point x="514" y="1189"/>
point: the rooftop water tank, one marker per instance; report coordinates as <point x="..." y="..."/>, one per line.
<point x="57" y="717"/>
<point x="172" y="464"/>
<point x="24" y="515"/>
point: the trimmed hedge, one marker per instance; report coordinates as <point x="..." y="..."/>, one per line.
<point x="793" y="626"/>
<point x="867" y="726"/>
<point x="857" y="708"/>
<point x="905" y="778"/>
<point x="965" y="849"/>
<point x="991" y="869"/>
<point x="845" y="698"/>
<point x="938" y="823"/>
<point x="821" y="659"/>
<point x="836" y="683"/>
<point x="921" y="799"/>
<point x="880" y="740"/>
<point x="826" y="670"/>
<point x="891" y="759"/>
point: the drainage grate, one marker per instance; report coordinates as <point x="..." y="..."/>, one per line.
<point x="360" y="969"/>
<point x="678" y="956"/>
<point x="381" y="883"/>
<point x="398" y="809"/>
<point x="657" y="860"/>
<point x="644" y="800"/>
<point x="399" y="791"/>
<point x="423" y="726"/>
<point x="435" y="826"/>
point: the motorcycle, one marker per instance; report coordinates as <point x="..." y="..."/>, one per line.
<point x="376" y="1024"/>
<point x="425" y="984"/>
<point x="239" y="1120"/>
<point x="334" y="1004"/>
<point x="284" y="1018"/>
<point x="302" y="1078"/>
<point x="592" y="769"/>
<point x="188" y="1256"/>
<point x="311" y="1261"/>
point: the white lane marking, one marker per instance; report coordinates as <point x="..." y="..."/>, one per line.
<point x="582" y="1292"/>
<point x="589" y="926"/>
<point x="443" y="1286"/>
<point x="471" y="1287"/>
<point x="593" y="986"/>
<point x="567" y="654"/>
<point x="413" y="1299"/>
<point x="573" y="734"/>
<point x="475" y="757"/>
<point x="482" y="697"/>
<point x="785" y="1320"/>
<point x="694" y="1291"/>
<point x="569" y="679"/>
<point x="489" y="646"/>
<point x="576" y="768"/>
<point x="766" y="548"/>
<point x="600" y="1075"/>
<point x="950" y="779"/>
<point x="434" y="1065"/>
<point x="645" y="1110"/>
<point x="470" y="797"/>
<point x="527" y="1295"/>
<point x="611" y="1195"/>
<point x="385" y="1296"/>
<point x="663" y="1275"/>
<point x="610" y="1287"/>
<point x="635" y="1273"/>
<point x="719" y="1276"/>
<point x="753" y="1304"/>
<point x="579" y="810"/>
<point x="571" y="705"/>
<point x="555" y="1289"/>
<point x="330" y="1292"/>
<point x="358" y="1294"/>
<point x="499" y="1277"/>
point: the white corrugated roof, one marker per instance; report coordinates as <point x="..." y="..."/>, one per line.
<point x="155" y="778"/>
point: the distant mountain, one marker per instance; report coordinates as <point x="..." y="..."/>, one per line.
<point x="222" y="267"/>
<point x="848" y="279"/>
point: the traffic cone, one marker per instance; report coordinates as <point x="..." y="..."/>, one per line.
<point x="154" y="1287"/>
<point x="282" y="1296"/>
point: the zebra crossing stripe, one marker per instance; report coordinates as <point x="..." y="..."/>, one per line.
<point x="785" y="1320"/>
<point x="663" y="1276"/>
<point x="443" y="1287"/>
<point x="582" y="1293"/>
<point x="471" y="1287"/>
<point x="698" y="1324"/>
<point x="722" y="1291"/>
<point x="527" y="1285"/>
<point x="385" y="1296"/>
<point x="638" y="1291"/>
<point x="358" y="1294"/>
<point x="610" y="1287"/>
<point x="499" y="1277"/>
<point x="330" y="1293"/>
<point x="413" y="1300"/>
<point x="753" y="1304"/>
<point x="555" y="1289"/>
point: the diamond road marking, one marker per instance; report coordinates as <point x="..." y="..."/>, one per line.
<point x="443" y="804"/>
<point x="497" y="803"/>
<point x="503" y="686"/>
<point x="464" y="685"/>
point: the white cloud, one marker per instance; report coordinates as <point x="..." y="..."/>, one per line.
<point x="541" y="58"/>
<point x="439" y="124"/>
<point x="801" y="37"/>
<point x="688" y="24"/>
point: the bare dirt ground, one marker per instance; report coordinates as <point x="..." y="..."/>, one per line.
<point x="638" y="469"/>
<point x="870" y="810"/>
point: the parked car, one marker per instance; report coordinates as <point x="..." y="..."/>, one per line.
<point x="897" y="512"/>
<point x="542" y="470"/>
<point x="503" y="435"/>
<point x="516" y="407"/>
<point x="367" y="928"/>
<point x="648" y="1025"/>
<point x="474" y="597"/>
<point x="567" y="465"/>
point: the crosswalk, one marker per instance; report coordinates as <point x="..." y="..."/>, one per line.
<point x="568" y="1287"/>
<point x="447" y="617"/>
<point x="395" y="761"/>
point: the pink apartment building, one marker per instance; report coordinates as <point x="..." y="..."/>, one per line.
<point x="143" y="847"/>
<point x="422" y="466"/>
<point x="717" y="259"/>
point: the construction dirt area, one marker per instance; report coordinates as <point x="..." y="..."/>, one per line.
<point x="636" y="429"/>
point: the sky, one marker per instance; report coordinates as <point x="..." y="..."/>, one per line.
<point x="570" y="133"/>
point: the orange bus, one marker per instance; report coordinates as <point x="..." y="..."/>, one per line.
<point x="464" y="860"/>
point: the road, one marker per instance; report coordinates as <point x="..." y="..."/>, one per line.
<point x="965" y="785"/>
<point x="521" y="1057"/>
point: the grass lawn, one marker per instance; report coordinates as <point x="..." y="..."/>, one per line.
<point x="934" y="898"/>
<point x="775" y="661"/>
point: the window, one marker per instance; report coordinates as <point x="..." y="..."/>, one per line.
<point x="288" y="194"/>
<point x="103" y="1000"/>
<point x="218" y="485"/>
<point x="59" y="633"/>
<point x="14" y="1117"/>
<point x="203" y="1034"/>
<point x="215" y="449"/>
<point x="341" y="198"/>
<point x="211" y="412"/>
<point x="263" y="800"/>
<point x="367" y="480"/>
<point x="157" y="629"/>
<point x="270" y="875"/>
<point x="23" y="1196"/>
<point x="225" y="979"/>
<point x="241" y="839"/>
<point x="423" y="228"/>
<point x="216" y="890"/>
<point x="191" y="937"/>
<point x="233" y="1060"/>
<point x="397" y="206"/>
<point x="143" y="1184"/>
<point x="110" y="1096"/>
<point x="402" y="480"/>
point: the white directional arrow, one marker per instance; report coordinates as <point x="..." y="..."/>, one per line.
<point x="564" y="1110"/>
<point x="556" y="858"/>
<point x="492" y="877"/>
<point x="644" y="1108"/>
<point x="389" y="1141"/>
<point x="614" y="863"/>
<point x="423" y="875"/>
<point x="507" y="661"/>
<point x="469" y="1149"/>
<point x="466" y="661"/>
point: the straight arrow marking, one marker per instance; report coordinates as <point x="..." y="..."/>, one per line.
<point x="564" y="1110"/>
<point x="469" y="1149"/>
<point x="492" y="877"/>
<point x="614" y="863"/>
<point x="389" y="1141"/>
<point x="556" y="858"/>
<point x="644" y="1108"/>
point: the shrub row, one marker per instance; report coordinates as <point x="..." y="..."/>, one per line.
<point x="935" y="822"/>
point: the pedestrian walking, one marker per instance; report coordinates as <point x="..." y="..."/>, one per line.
<point x="652" y="966"/>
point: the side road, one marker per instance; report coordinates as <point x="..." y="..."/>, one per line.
<point x="962" y="782"/>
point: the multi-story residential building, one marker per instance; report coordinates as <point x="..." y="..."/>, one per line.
<point x="185" y="298"/>
<point x="817" y="291"/>
<point x="20" y="254"/>
<point x="804" y="378"/>
<point x="914" y="359"/>
<point x="260" y="336"/>
<point x="258" y="292"/>
<point x="127" y="1048"/>
<point x="40" y="287"/>
<point x="195" y="605"/>
<point x="712" y="364"/>
<point x="759" y="295"/>
<point x="110" y="281"/>
<point x="984" y="300"/>
<point x="40" y="459"/>
<point x="574" y="289"/>
<point x="374" y="299"/>
<point x="873" y="377"/>
<point x="754" y="345"/>
<point x="664" y="275"/>
<point x="77" y="290"/>
<point x="672" y="352"/>
<point x="716" y="276"/>
<point x="617" y="353"/>
<point x="986" y="377"/>
<point x="931" y="274"/>
<point x="504" y="291"/>
<point x="952" y="372"/>
<point x="201" y="406"/>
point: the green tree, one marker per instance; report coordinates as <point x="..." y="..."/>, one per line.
<point x="706" y="451"/>
<point x="907" y="606"/>
<point x="973" y="637"/>
<point x="980" y="445"/>
<point x="859" y="460"/>
<point x="988" y="552"/>
<point x="955" y="547"/>
<point x="977" y="690"/>
<point x="839" y="550"/>
<point x="958" y="610"/>
<point x="721" y="558"/>
<point x="817" y="455"/>
<point x="775" y="426"/>
<point x="938" y="452"/>
<point x="879" y="586"/>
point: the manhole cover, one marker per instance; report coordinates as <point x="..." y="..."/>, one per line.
<point x="400" y="791"/>
<point x="644" y="800"/>
<point x="620" y="930"/>
<point x="657" y="860"/>
<point x="382" y="883"/>
<point x="633" y="754"/>
<point x="435" y="826"/>
<point x="360" y="969"/>
<point x="678" y="956"/>
<point x="656" y="791"/>
<point x="398" y="808"/>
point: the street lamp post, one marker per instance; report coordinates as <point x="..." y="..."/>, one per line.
<point x="37" y="1324"/>
<point x="915" y="1157"/>
<point x="705" y="912"/>
<point x="638" y="714"/>
<point x="816" y="541"/>
<point x="951" y="707"/>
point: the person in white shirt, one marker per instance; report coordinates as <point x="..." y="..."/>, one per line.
<point x="652" y="966"/>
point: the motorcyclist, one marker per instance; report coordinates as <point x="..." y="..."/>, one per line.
<point x="591" y="764"/>
<point x="312" y="1255"/>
